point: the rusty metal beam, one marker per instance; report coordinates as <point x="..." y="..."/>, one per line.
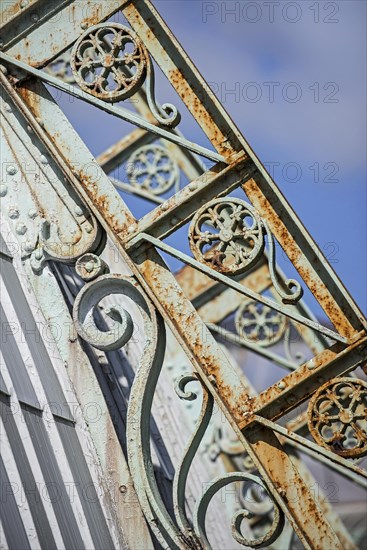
<point x="38" y="32"/>
<point x="305" y="256"/>
<point x="297" y="386"/>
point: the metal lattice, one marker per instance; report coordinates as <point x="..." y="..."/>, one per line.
<point x="73" y="206"/>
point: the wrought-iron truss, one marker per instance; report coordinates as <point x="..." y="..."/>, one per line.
<point x="231" y="271"/>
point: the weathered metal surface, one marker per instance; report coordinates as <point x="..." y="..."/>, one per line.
<point x="224" y="135"/>
<point x="300" y="384"/>
<point x="338" y="417"/>
<point x="40" y="31"/>
<point x="119" y="112"/>
<point x="252" y="417"/>
<point x="46" y="214"/>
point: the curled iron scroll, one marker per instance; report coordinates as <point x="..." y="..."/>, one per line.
<point x="142" y="391"/>
<point x="110" y="62"/>
<point x="203" y="504"/>
<point x="228" y="235"/>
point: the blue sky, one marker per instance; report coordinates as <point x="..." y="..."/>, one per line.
<point x="293" y="77"/>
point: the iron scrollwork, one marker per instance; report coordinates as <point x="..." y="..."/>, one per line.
<point x="252" y="507"/>
<point x="228" y="235"/>
<point x="151" y="168"/>
<point x="142" y="391"/>
<point x="337" y="415"/>
<point x="110" y="62"/>
<point x="233" y="477"/>
<point x="171" y="535"/>
<point x="260" y="324"/>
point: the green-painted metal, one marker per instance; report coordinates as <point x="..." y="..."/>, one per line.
<point x="230" y="274"/>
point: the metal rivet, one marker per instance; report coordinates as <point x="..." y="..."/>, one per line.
<point x="164" y="207"/>
<point x="174" y="220"/>
<point x="78" y="211"/>
<point x="35" y="17"/>
<point x="89" y="266"/>
<point x="311" y="365"/>
<point x="212" y="379"/>
<point x="24" y="4"/>
<point x="84" y="25"/>
<point x="1" y="43"/>
<point x="3" y="190"/>
<point x="40" y="121"/>
<point x="28" y="246"/>
<point x="32" y="213"/>
<point x="123" y="489"/>
<point x="13" y="212"/>
<point x="193" y="186"/>
<point x="88" y="228"/>
<point x="44" y="159"/>
<point x="4" y="70"/>
<point x="281" y="385"/>
<point x="38" y="254"/>
<point x="21" y="228"/>
<point x="29" y="129"/>
<point x="131" y="229"/>
<point x="11" y="170"/>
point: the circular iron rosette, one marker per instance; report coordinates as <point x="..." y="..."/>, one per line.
<point x="109" y="61"/>
<point x="260" y="324"/>
<point x="151" y="168"/>
<point x="338" y="417"/>
<point x="227" y="235"/>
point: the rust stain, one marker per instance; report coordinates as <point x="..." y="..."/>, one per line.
<point x="9" y="12"/>
<point x="95" y="16"/>
<point x="187" y="322"/>
<point x="198" y="109"/>
<point x="30" y="97"/>
<point x="316" y="285"/>
<point x="102" y="202"/>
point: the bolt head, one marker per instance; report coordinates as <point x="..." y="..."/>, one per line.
<point x="34" y="17"/>
<point x="281" y="385"/>
<point x="32" y="213"/>
<point x="3" y="190"/>
<point x="38" y="254"/>
<point x="28" y="246"/>
<point x="11" y="170"/>
<point x="78" y="211"/>
<point x="13" y="213"/>
<point x="21" y="228"/>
